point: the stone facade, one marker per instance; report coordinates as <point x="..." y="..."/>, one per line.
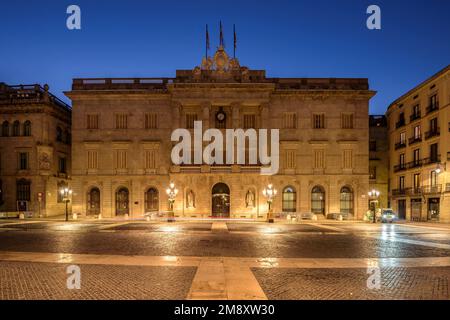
<point x="122" y="143"/>
<point x="419" y="135"/>
<point x="379" y="158"/>
<point x="35" y="149"/>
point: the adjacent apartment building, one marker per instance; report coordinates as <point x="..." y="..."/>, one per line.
<point x="419" y="134"/>
<point x="35" y="150"/>
<point x="379" y="158"/>
<point x="122" y="143"/>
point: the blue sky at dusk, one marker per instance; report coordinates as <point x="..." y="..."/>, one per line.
<point x="286" y="38"/>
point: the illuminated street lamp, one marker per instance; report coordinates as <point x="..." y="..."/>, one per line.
<point x="269" y="193"/>
<point x="171" y="193"/>
<point x="65" y="195"/>
<point x="373" y="198"/>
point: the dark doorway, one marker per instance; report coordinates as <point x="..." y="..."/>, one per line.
<point x="433" y="209"/>
<point x="402" y="209"/>
<point x="122" y="201"/>
<point x="93" y="202"/>
<point x="221" y="201"/>
<point x="151" y="200"/>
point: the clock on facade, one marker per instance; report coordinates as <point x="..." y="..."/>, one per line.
<point x="221" y="116"/>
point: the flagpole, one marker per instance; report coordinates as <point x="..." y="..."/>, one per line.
<point x="234" y="49"/>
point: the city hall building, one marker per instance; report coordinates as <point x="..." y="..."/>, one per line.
<point x="121" y="143"/>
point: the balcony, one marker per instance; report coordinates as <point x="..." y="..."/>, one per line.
<point x="415" y="116"/>
<point x="432" y="107"/>
<point x="432" y="133"/>
<point x="414" y="164"/>
<point x="399" y="167"/>
<point x="432" y="160"/>
<point x="436" y="189"/>
<point x="415" y="191"/>
<point x="400" y="123"/>
<point x="414" y="140"/>
<point x="400" y="145"/>
<point x="399" y="192"/>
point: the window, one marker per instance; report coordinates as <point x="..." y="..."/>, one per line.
<point x="92" y="159"/>
<point x="417" y="132"/>
<point x="1" y="192"/>
<point x="373" y="173"/>
<point x="347" y="159"/>
<point x="151" y="121"/>
<point x="347" y="120"/>
<point x="434" y="157"/>
<point x="416" y="156"/>
<point x="67" y="137"/>
<point x="346" y="200"/>
<point x="416" y="180"/>
<point x="62" y="165"/>
<point x="290" y="162"/>
<point x="59" y="134"/>
<point x="289" y="200"/>
<point x="23" y="160"/>
<point x="402" y="160"/>
<point x="290" y="120"/>
<point x="150" y="159"/>
<point x="434" y="125"/>
<point x="319" y="121"/>
<point x="190" y="119"/>
<point x="16" y="129"/>
<point x="121" y="159"/>
<point x="416" y="111"/>
<point x="23" y="188"/>
<point x="401" y="183"/>
<point x="433" y="102"/>
<point x="372" y="145"/>
<point x="92" y="121"/>
<point x="402" y="137"/>
<point x="433" y="178"/>
<point x="121" y="121"/>
<point x="249" y="121"/>
<point x="318" y="200"/>
<point x="319" y="159"/>
<point x="5" y="129"/>
<point x="27" y="128"/>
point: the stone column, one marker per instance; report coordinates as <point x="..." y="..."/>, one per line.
<point x="265" y="116"/>
<point x="176" y="115"/>
<point x="235" y="116"/>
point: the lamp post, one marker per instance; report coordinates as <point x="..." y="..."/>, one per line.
<point x="269" y="193"/>
<point x="65" y="194"/>
<point x="374" y="194"/>
<point x="171" y="193"/>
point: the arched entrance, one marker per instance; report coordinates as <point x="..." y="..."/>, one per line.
<point x="122" y="201"/>
<point x="151" y="200"/>
<point x="318" y="200"/>
<point x="93" y="202"/>
<point x="346" y="200"/>
<point x="221" y="200"/>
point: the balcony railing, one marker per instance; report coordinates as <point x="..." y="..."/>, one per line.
<point x="415" y="116"/>
<point x="432" y="160"/>
<point x="432" y="133"/>
<point x="399" y="192"/>
<point x="400" y="123"/>
<point x="399" y="167"/>
<point x="447" y="187"/>
<point x="400" y="145"/>
<point x="414" y="164"/>
<point x="413" y="140"/>
<point x="433" y="107"/>
<point x="432" y="189"/>
<point x="415" y="191"/>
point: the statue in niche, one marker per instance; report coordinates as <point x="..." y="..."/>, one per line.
<point x="190" y="199"/>
<point x="250" y="199"/>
